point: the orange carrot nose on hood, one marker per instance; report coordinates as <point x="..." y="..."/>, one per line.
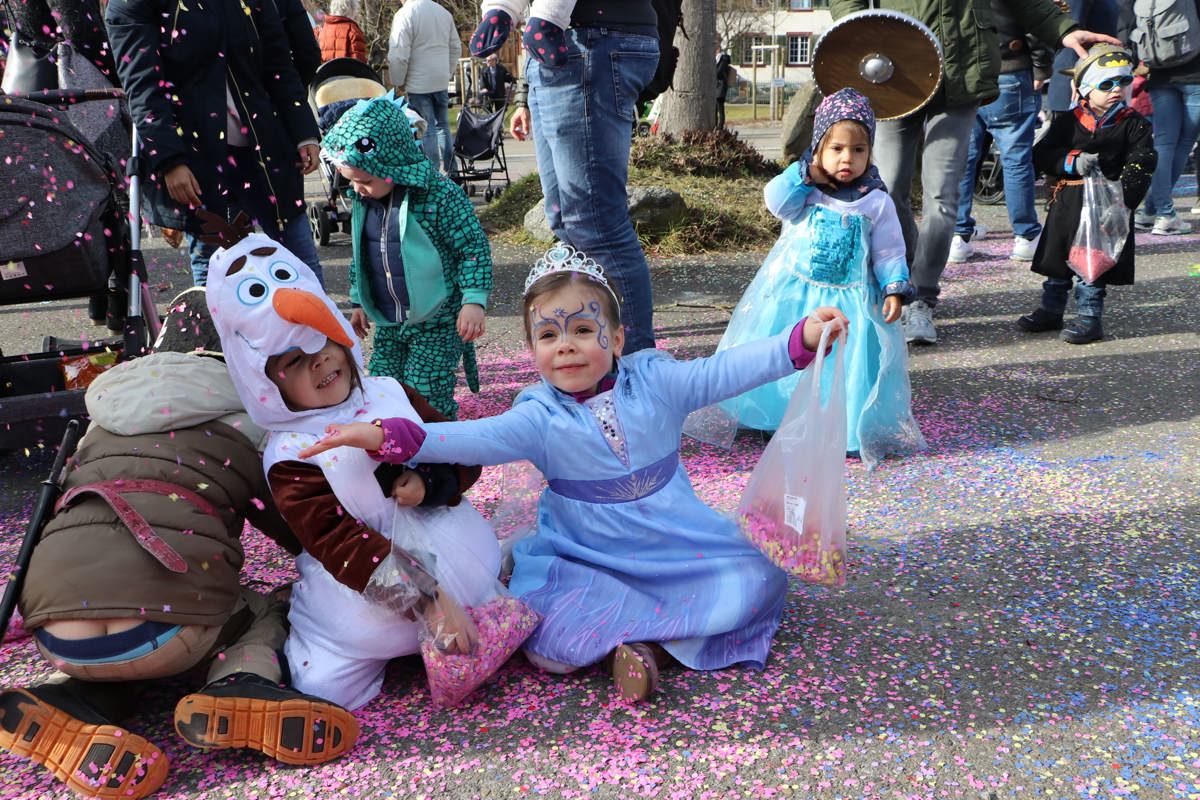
<point x="305" y="308"/>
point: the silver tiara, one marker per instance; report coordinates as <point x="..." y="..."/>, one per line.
<point x="564" y="258"/>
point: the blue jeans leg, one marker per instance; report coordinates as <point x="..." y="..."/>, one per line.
<point x="438" y="141"/>
<point x="1089" y="299"/>
<point x="1054" y="294"/>
<point x="582" y="114"/>
<point x="198" y="254"/>
<point x="296" y="237"/>
<point x="1176" y="124"/>
<point x="946" y="132"/>
<point x="1012" y="120"/>
<point x="965" y="224"/>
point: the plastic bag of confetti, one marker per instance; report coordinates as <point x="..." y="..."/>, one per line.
<point x="502" y="623"/>
<point x="1102" y="231"/>
<point x="794" y="508"/>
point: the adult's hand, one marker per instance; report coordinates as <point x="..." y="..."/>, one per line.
<point x="521" y="124"/>
<point x="183" y="186"/>
<point x="1080" y="40"/>
<point x="309" y="158"/>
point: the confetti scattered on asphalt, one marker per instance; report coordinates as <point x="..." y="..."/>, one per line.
<point x="1020" y="619"/>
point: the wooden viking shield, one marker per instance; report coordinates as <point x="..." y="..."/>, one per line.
<point x="893" y="59"/>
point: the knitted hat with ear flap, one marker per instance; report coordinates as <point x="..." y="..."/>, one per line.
<point x="844" y="104"/>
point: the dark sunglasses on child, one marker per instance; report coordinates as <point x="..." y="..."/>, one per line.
<point x="1112" y="83"/>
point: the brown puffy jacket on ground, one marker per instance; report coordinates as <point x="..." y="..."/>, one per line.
<point x="167" y="417"/>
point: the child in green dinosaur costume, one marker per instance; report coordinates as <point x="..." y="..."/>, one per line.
<point x="421" y="267"/>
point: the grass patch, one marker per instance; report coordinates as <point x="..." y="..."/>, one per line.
<point x="507" y="211"/>
<point x="720" y="178"/>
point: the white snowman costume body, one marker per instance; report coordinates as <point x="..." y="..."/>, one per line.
<point x="264" y="301"/>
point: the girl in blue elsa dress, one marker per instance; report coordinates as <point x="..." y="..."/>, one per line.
<point x="841" y="246"/>
<point x="626" y="565"/>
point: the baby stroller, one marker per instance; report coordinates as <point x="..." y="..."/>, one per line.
<point x="338" y="84"/>
<point x="64" y="235"/>
<point x="479" y="138"/>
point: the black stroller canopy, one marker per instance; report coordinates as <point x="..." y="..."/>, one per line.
<point x="344" y="68"/>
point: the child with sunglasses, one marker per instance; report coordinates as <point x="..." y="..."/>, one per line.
<point x="1101" y="136"/>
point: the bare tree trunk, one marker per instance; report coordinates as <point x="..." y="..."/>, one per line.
<point x="691" y="104"/>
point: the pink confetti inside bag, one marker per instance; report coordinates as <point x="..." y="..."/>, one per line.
<point x="503" y="624"/>
<point x="794" y="508"/>
<point x="1103" y="229"/>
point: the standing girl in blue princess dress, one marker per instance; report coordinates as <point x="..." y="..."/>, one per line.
<point x="627" y="564"/>
<point x="841" y="246"/>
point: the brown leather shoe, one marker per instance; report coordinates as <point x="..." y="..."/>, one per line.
<point x="634" y="671"/>
<point x="93" y="757"/>
<point x="172" y="237"/>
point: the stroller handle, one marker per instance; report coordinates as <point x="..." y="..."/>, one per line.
<point x="69" y="97"/>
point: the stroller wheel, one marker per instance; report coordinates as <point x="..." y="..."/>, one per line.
<point x="487" y="196"/>
<point x="314" y="221"/>
<point x="321" y="224"/>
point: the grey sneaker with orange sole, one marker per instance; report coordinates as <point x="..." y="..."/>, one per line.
<point x="246" y="710"/>
<point x="93" y="757"/>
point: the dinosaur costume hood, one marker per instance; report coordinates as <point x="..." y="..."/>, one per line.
<point x="378" y="137"/>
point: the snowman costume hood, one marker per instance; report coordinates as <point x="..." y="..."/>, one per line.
<point x="264" y="301"/>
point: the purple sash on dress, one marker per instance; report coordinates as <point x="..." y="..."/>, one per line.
<point x="634" y="486"/>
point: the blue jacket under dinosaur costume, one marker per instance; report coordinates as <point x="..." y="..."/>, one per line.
<point x="419" y="254"/>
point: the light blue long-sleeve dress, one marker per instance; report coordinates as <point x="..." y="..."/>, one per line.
<point x="843" y="253"/>
<point x="624" y="549"/>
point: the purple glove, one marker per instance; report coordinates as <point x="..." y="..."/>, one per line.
<point x="402" y="438"/>
<point x="801" y="356"/>
<point x="546" y="42"/>
<point x="491" y="33"/>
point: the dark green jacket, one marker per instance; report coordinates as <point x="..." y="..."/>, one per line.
<point x="967" y="31"/>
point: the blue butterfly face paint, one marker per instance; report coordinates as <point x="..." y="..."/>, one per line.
<point x="573" y="346"/>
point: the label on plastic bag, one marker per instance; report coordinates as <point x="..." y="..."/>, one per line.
<point x="12" y="270"/>
<point x="793" y="512"/>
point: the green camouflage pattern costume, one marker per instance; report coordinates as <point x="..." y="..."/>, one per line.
<point x="375" y="136"/>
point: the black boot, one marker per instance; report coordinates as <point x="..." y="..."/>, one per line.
<point x="1040" y="321"/>
<point x="247" y="710"/>
<point x="1084" y="330"/>
<point x="56" y="728"/>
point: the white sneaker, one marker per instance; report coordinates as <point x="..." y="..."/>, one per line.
<point x="1143" y="221"/>
<point x="1196" y="208"/>
<point x="980" y="231"/>
<point x="960" y="250"/>
<point x="1170" y="226"/>
<point x="1023" y="249"/>
<point x="917" y="319"/>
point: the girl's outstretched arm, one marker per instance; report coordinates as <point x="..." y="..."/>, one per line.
<point x="517" y="434"/>
<point x="700" y="382"/>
